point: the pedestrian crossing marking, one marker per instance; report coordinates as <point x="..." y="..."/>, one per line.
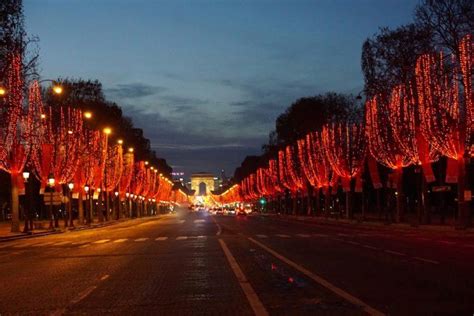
<point x="181" y="237"/>
<point x="103" y="241"/>
<point x="120" y="240"/>
<point x="141" y="239"/>
<point x="262" y="236"/>
<point x="161" y="238"/>
<point x="283" y="236"/>
<point x="84" y="246"/>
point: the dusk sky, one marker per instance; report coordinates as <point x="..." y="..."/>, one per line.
<point x="207" y="79"/>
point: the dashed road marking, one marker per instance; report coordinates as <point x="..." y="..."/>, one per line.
<point x="181" y="237"/>
<point x="262" y="236"/>
<point x="105" y="277"/>
<point x="141" y="239"/>
<point x="353" y="243"/>
<point x="44" y="244"/>
<point x="201" y="237"/>
<point x="161" y="238"/>
<point x="84" y="246"/>
<point x="426" y="260"/>
<point x="103" y="241"/>
<point x="61" y="243"/>
<point x="343" y="235"/>
<point x="348" y="297"/>
<point x="120" y="240"/>
<point x="252" y="297"/>
<point x="219" y="228"/>
<point x="199" y="221"/>
<point x="283" y="236"/>
<point x="370" y="247"/>
<point x="395" y="253"/>
<point x="303" y="235"/>
<point x="320" y="235"/>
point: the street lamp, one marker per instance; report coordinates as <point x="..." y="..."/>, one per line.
<point x="130" y="150"/>
<point x="107" y="130"/>
<point x="3" y="92"/>
<point x="88" y="115"/>
<point x="26" y="175"/>
<point x="57" y="89"/>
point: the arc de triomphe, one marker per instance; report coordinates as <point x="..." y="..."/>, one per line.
<point x="202" y="183"/>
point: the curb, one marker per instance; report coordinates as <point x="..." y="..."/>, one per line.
<point x="368" y="224"/>
<point x="26" y="235"/>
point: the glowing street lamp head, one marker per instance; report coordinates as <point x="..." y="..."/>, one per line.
<point x="70" y="186"/>
<point x="26" y="175"/>
<point x="107" y="130"/>
<point x="57" y="89"/>
<point x="130" y="150"/>
<point x="116" y="193"/>
<point x="51" y="180"/>
<point x="86" y="188"/>
<point x="88" y="115"/>
<point x="146" y="163"/>
<point x="43" y="116"/>
<point x="3" y="92"/>
<point x="120" y="142"/>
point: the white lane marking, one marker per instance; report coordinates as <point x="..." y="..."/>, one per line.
<point x="370" y="247"/>
<point x="303" y="235"/>
<point x="141" y="239"/>
<point x="105" y="277"/>
<point x="161" y="238"/>
<point x="343" y="235"/>
<point x="199" y="221"/>
<point x="201" y="237"/>
<point x="24" y="245"/>
<point x="262" y="236"/>
<point x="44" y="244"/>
<point x="219" y="229"/>
<point x="61" y="243"/>
<point x="79" y="242"/>
<point x="395" y="252"/>
<point x="181" y="237"/>
<point x="353" y="242"/>
<point x="249" y="292"/>
<point x="348" y="297"/>
<point x="84" y="246"/>
<point x="320" y="235"/>
<point x="103" y="241"/>
<point x="83" y="295"/>
<point x="120" y="240"/>
<point x="426" y="260"/>
<point x="283" y="236"/>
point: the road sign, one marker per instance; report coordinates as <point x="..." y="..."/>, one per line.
<point x="55" y="198"/>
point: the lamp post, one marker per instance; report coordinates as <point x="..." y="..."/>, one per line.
<point x="27" y="210"/>
<point x="71" y="220"/>
<point x="88" y="204"/>
<point x="51" y="182"/>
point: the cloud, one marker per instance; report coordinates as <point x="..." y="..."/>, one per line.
<point x="133" y="91"/>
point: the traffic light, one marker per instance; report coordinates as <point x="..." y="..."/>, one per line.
<point x="263" y="201"/>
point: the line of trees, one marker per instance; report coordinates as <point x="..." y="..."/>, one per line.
<point x="416" y="99"/>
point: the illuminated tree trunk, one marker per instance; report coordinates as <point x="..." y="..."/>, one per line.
<point x="80" y="208"/>
<point x="349" y="204"/>
<point x="463" y="206"/>
<point x="327" y="202"/>
<point x="15" y="204"/>
<point x="317" y="197"/>
<point x="309" y="204"/>
<point x="399" y="207"/>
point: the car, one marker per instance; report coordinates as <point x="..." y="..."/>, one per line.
<point x="230" y="211"/>
<point x="219" y="211"/>
<point x="241" y="212"/>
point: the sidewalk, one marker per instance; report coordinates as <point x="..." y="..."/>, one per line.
<point x="370" y="224"/>
<point x="42" y="228"/>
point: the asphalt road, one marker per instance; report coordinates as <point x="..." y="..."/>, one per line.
<point x="195" y="264"/>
